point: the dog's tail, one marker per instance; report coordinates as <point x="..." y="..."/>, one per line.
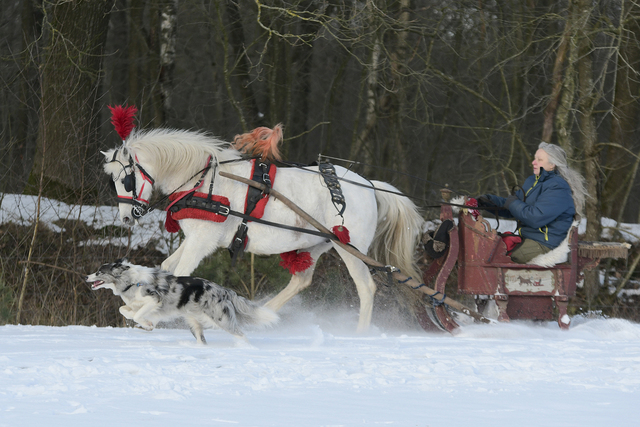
<point x="250" y="313"/>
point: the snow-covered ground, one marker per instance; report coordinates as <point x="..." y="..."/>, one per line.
<point x="311" y="369"/>
<point x="314" y="371"/>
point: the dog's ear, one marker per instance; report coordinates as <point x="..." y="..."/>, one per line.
<point x="121" y="263"/>
<point x="118" y="266"/>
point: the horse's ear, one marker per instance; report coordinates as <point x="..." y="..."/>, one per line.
<point x="108" y="154"/>
<point x="125" y="150"/>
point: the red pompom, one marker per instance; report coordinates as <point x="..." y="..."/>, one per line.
<point x="171" y="225"/>
<point x="122" y="119"/>
<point x="296" y="262"/>
<point x="341" y="233"/>
<point x="473" y="203"/>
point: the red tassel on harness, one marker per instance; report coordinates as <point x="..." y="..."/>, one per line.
<point x="296" y="262"/>
<point x="171" y="225"/>
<point x="122" y="119"/>
<point x="341" y="233"/>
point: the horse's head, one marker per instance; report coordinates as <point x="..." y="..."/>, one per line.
<point x="131" y="183"/>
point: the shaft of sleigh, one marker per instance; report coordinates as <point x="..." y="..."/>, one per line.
<point x="409" y="281"/>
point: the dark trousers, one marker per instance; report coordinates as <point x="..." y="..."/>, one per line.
<point x="528" y="250"/>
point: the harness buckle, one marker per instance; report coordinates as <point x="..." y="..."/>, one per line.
<point x="138" y="211"/>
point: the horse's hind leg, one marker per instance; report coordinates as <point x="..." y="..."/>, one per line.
<point x="364" y="284"/>
<point x="298" y="281"/>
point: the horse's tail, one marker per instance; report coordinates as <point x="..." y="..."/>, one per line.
<point x="397" y="232"/>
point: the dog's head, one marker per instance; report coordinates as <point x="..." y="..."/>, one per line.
<point x="111" y="276"/>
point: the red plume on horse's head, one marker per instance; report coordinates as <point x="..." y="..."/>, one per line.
<point x="122" y="119"/>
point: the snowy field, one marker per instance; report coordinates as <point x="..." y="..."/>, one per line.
<point x="312" y="371"/>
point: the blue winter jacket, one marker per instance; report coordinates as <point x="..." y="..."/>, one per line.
<point x="544" y="208"/>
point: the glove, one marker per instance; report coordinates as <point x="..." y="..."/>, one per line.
<point x="483" y="201"/>
<point x="473" y="203"/>
<point x="512" y="198"/>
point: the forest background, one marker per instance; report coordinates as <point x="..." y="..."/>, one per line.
<point x="422" y="93"/>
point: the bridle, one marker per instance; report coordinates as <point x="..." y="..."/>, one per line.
<point x="139" y="206"/>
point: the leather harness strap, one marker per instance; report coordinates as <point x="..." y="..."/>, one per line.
<point x="262" y="172"/>
<point x="328" y="172"/>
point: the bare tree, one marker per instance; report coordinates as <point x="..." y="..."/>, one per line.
<point x="621" y="168"/>
<point x="71" y="75"/>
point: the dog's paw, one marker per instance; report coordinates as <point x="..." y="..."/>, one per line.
<point x="127" y="312"/>
<point x="146" y="325"/>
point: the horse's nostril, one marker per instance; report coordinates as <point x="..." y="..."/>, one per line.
<point x="126" y="220"/>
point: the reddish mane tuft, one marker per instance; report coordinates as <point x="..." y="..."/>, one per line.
<point x="260" y="142"/>
<point x="122" y="119"/>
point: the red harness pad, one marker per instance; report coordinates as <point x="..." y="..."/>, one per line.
<point x="258" y="211"/>
<point x="192" y="213"/>
<point x="171" y="224"/>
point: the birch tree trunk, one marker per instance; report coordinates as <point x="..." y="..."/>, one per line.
<point x="587" y="98"/>
<point x="563" y="115"/>
<point x="361" y="146"/>
<point x="168" y="30"/>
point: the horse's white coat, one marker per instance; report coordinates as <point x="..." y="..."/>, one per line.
<point x="173" y="157"/>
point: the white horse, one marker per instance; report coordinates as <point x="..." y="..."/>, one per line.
<point x="380" y="223"/>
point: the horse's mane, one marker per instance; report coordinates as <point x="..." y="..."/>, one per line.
<point x="260" y="142"/>
<point x="178" y="153"/>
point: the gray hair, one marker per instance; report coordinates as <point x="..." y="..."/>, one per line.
<point x="576" y="181"/>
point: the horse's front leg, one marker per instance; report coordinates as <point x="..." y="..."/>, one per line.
<point x="195" y="247"/>
<point x="171" y="263"/>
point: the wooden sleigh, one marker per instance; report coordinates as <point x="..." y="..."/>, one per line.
<point x="520" y="291"/>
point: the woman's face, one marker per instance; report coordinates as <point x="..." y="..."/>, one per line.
<point x="541" y="160"/>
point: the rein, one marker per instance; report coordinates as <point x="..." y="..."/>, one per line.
<point x="370" y="187"/>
<point x="202" y="171"/>
<point x="142" y="210"/>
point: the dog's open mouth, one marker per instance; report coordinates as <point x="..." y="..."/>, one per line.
<point x="96" y="283"/>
